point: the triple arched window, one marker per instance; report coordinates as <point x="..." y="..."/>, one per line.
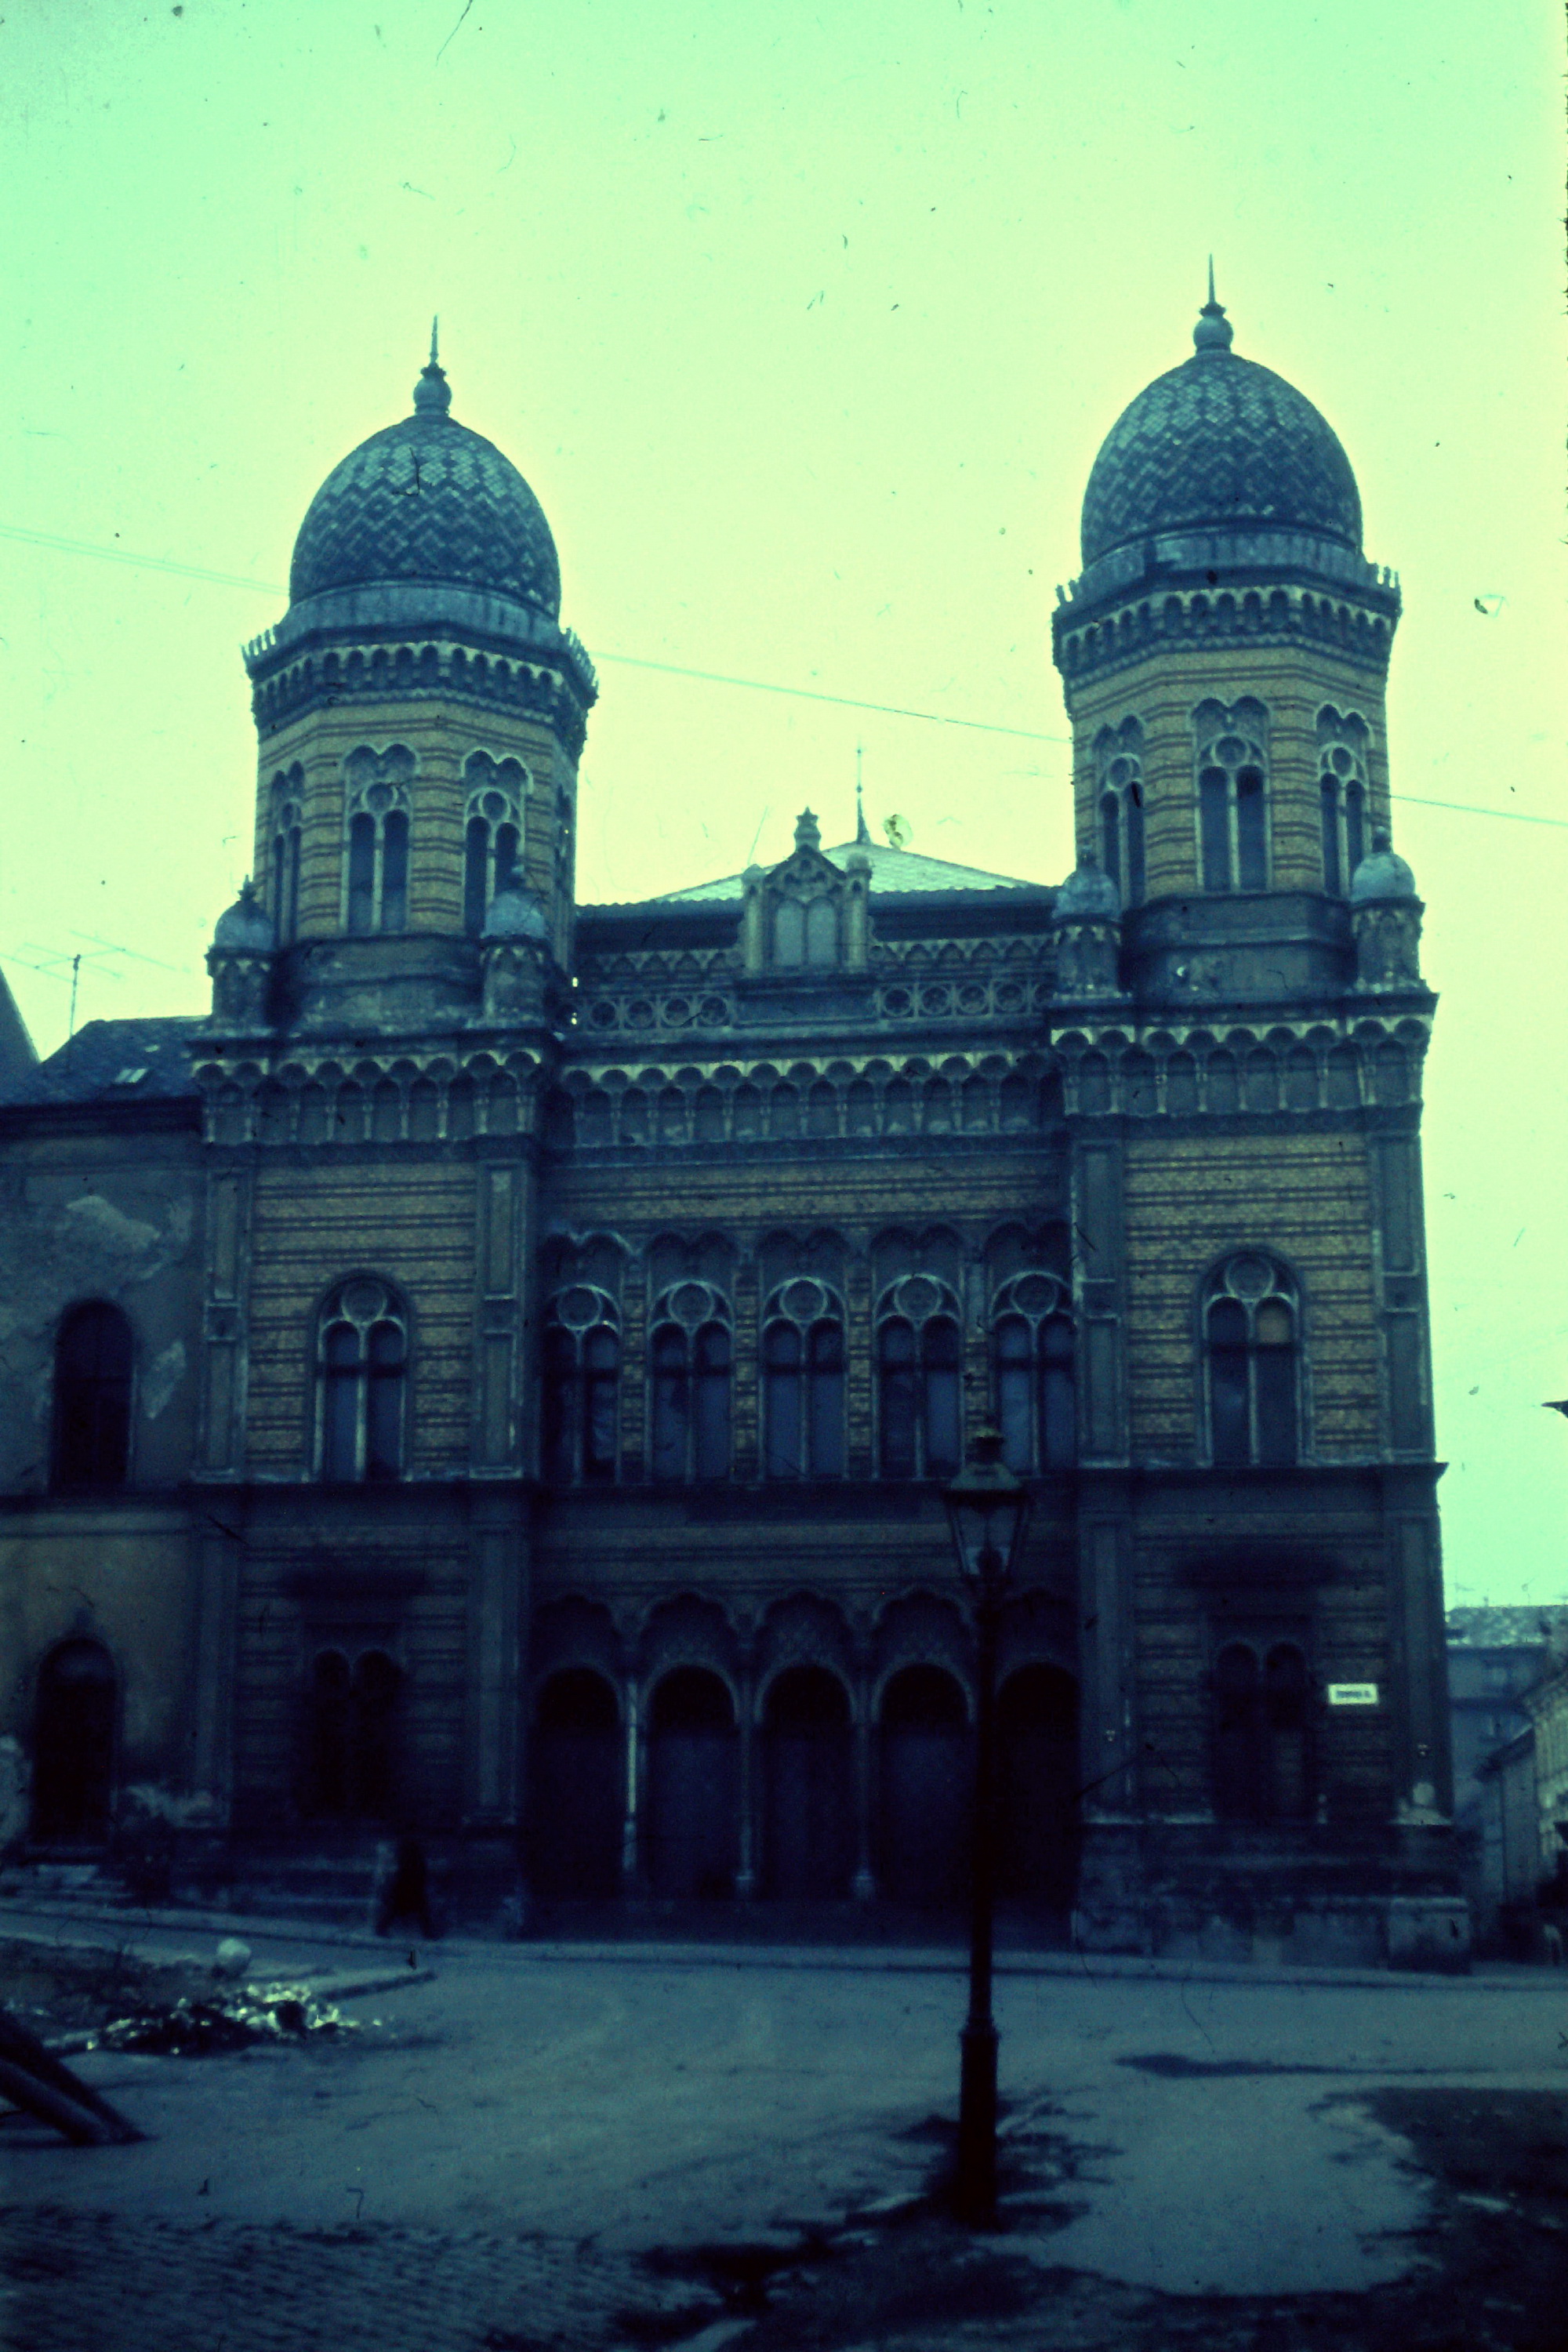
<point x="363" y="1382"/>
<point x="288" y="833"/>
<point x="919" y="1379"/>
<point x="1032" y="1370"/>
<point x="378" y="800"/>
<point x="580" y="1421"/>
<point x="1251" y="1328"/>
<point x="1233" y="814"/>
<point x="802" y="1381"/>
<point x="93" y="1365"/>
<point x="492" y="834"/>
<point x="689" y="1357"/>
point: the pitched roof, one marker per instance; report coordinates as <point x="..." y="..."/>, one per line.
<point x="1500" y="1628"/>
<point x="113" y="1061"/>
<point x="895" y="873"/>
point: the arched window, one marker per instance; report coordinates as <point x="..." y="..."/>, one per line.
<point x="492" y="835"/>
<point x="1342" y="794"/>
<point x="1233" y="817"/>
<point x="352" y="1724"/>
<point x="1119" y="772"/>
<point x="1262" y="1762"/>
<point x="362" y="1368"/>
<point x="1250" y="1344"/>
<point x="805" y="930"/>
<point x="919" y="1379"/>
<point x="581" y="1417"/>
<point x="689" y="1362"/>
<point x="802" y="1382"/>
<point x="93" y="1358"/>
<point x="378" y="789"/>
<point x="73" y="1745"/>
<point x="287" y="792"/>
<point x="1032" y="1361"/>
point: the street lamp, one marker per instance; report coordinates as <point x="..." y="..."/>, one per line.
<point x="986" y="1511"/>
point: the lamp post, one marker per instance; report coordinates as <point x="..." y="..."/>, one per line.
<point x="986" y="1511"/>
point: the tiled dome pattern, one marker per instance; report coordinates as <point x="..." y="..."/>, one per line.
<point x="427" y="499"/>
<point x="1219" y="443"/>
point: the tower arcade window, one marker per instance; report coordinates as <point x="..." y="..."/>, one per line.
<point x="689" y="1364"/>
<point x="363" y="1379"/>
<point x="919" y="1388"/>
<point x="1031" y="1360"/>
<point x="802" y="1382"/>
<point x="288" y="796"/>
<point x="1250" y="1324"/>
<point x="1342" y="795"/>
<point x="1118" y="782"/>
<point x="580" y="1402"/>
<point x="93" y="1362"/>
<point x="492" y="834"/>
<point x="1232" y="811"/>
<point x="378" y="788"/>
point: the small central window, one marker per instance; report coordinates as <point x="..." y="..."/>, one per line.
<point x="1250" y="1330"/>
<point x="802" y="1382"/>
<point x="581" y="1415"/>
<point x="362" y="1362"/>
<point x="375" y="893"/>
<point x="1233" y="817"/>
<point x="918" y="1381"/>
<point x="689" y="1363"/>
<point x="493" y="838"/>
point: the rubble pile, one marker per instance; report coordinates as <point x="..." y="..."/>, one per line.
<point x="190" y="2028"/>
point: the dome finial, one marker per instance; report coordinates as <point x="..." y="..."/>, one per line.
<point x="433" y="394"/>
<point x="1214" y="331"/>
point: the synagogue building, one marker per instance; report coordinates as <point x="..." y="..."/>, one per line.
<point x="496" y="1374"/>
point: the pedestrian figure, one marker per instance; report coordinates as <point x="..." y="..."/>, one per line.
<point x="406" y="1893"/>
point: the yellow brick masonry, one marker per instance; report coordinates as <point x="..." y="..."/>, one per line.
<point x="442" y="733"/>
<point x="1191" y="1198"/>
<point x="1162" y="692"/>
<point x="413" y="1221"/>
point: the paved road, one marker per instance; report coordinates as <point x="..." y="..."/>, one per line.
<point x="537" y="2123"/>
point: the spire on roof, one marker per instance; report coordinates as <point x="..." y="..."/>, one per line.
<point x="862" y="832"/>
<point x="433" y="394"/>
<point x="1213" y="332"/>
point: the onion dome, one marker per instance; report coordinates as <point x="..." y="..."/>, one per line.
<point x="429" y="501"/>
<point x="246" y="928"/>
<point x="1382" y="875"/>
<point x="1219" y="443"/>
<point x="1089" y="894"/>
<point x="516" y="914"/>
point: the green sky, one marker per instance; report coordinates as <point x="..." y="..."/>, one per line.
<point x="806" y="328"/>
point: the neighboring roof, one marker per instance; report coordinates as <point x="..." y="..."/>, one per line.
<point x="18" y="1054"/>
<point x="895" y="873"/>
<point x="113" y="1062"/>
<point x="1499" y="1629"/>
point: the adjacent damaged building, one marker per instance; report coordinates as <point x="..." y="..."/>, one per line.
<point x="495" y="1375"/>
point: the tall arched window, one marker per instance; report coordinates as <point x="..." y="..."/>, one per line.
<point x="1232" y="774"/>
<point x="1343" y="793"/>
<point x="1262" y="1759"/>
<point x="352" y="1724"/>
<point x="1032" y="1371"/>
<point x="363" y="1370"/>
<point x="581" y="1416"/>
<point x="1119" y="777"/>
<point x="690" y="1358"/>
<point x="492" y="837"/>
<point x="378" y="788"/>
<point x="919" y="1379"/>
<point x="802" y="1382"/>
<point x="287" y="793"/>
<point x="1251" y="1332"/>
<point x="93" y="1358"/>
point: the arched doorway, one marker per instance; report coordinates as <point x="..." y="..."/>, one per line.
<point x="693" y="1813"/>
<point x="926" y="1788"/>
<point x="73" y="1745"/>
<point x="808" y="1817"/>
<point x="353" y="1718"/>
<point x="575" y="1803"/>
<point x="1037" y="1728"/>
